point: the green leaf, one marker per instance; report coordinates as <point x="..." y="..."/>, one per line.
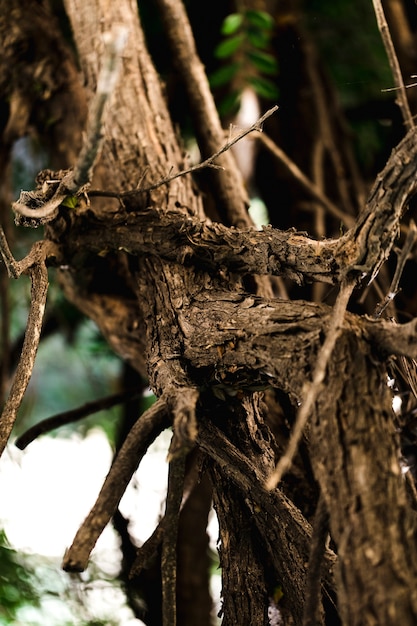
<point x="70" y="201"/>
<point x="227" y="47"/>
<point x="263" y="61"/>
<point x="260" y="19"/>
<point x="264" y="87"/>
<point x="224" y="75"/>
<point x="230" y="104"/>
<point x="231" y="23"/>
<point x="259" y="39"/>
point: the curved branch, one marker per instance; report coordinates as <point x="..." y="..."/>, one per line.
<point x="185" y="239"/>
<point x="39" y="277"/>
<point x="142" y="434"/>
<point x="369" y="243"/>
<point x="74" y="415"/>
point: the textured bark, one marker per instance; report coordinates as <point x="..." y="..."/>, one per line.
<point x="165" y="287"/>
<point x="370" y="519"/>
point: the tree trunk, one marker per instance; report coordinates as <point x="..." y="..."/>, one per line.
<point x="169" y="290"/>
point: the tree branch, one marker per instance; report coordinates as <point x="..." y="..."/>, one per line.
<point x="74" y="415"/>
<point x="402" y="99"/>
<point x="209" y="162"/>
<point x="34" y="265"/>
<point x="228" y="182"/>
<point x="39" y="277"/>
<point x="142" y="434"/>
<point x="312" y="389"/>
<point x="169" y="540"/>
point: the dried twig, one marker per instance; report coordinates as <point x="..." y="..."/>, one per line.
<point x="142" y="434"/>
<point x="312" y="390"/>
<point x="74" y="415"/>
<point x="402" y="259"/>
<point x="402" y="100"/>
<point x="209" y="162"/>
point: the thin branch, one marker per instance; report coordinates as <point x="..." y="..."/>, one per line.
<point x="312" y="389"/>
<point x="402" y="259"/>
<point x="74" y="415"/>
<point x="74" y="181"/>
<point x="229" y="188"/>
<point x="142" y="434"/>
<point x="10" y="262"/>
<point x="209" y="162"/>
<point x="39" y="277"/>
<point x="169" y="540"/>
<point x="148" y="549"/>
<point x="402" y="99"/>
<point x="308" y="185"/>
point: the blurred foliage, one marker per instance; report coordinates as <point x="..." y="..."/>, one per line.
<point x="72" y="373"/>
<point x="33" y="590"/>
<point x="246" y="59"/>
<point x="351" y="47"/>
<point x="17" y="586"/>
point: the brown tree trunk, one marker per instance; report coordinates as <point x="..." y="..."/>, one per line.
<point x="165" y="286"/>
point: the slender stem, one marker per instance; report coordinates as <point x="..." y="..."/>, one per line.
<point x="209" y="162"/>
<point x="74" y="415"/>
<point x="313" y="389"/>
<point x="402" y="99"/>
<point x="39" y="277"/>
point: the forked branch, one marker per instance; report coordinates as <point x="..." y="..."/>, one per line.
<point x="34" y="265"/>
